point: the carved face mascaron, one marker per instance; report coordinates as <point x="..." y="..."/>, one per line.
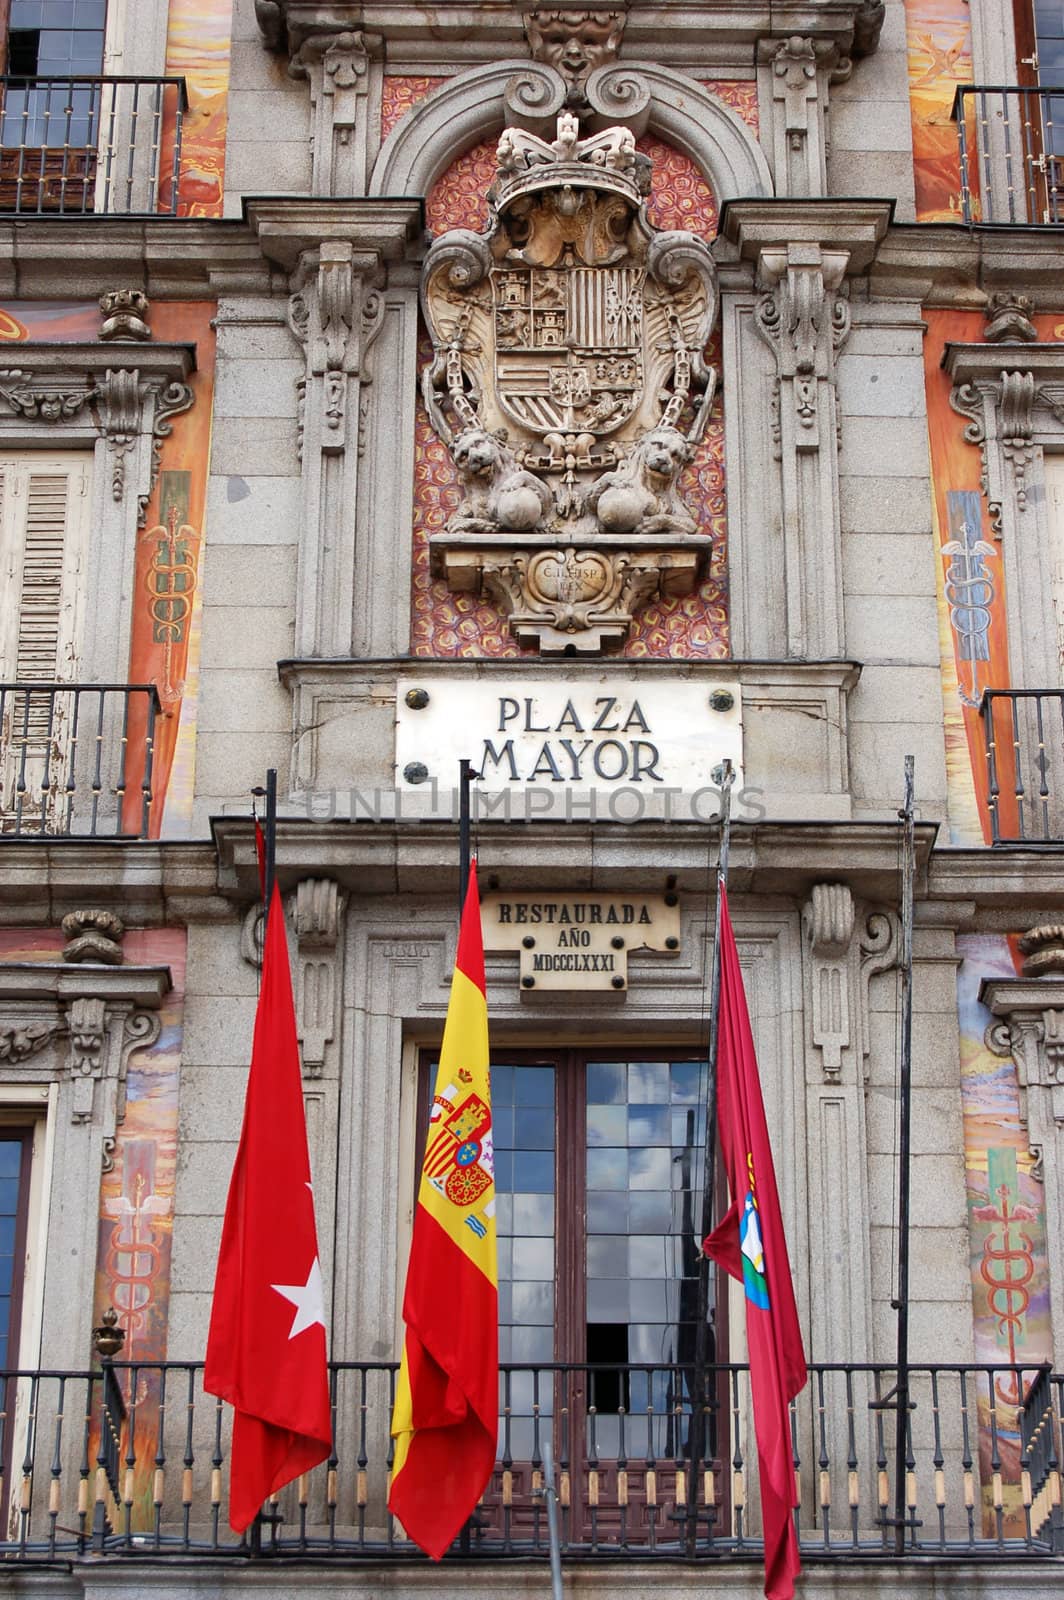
<point x="574" y="42"/>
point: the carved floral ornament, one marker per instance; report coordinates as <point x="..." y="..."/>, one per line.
<point x="569" y="383"/>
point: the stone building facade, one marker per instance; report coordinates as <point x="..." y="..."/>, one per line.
<point x="596" y="395"/>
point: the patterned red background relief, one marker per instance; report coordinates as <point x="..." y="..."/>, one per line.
<point x="446" y="625"/>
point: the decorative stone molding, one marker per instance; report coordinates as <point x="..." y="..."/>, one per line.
<point x="569" y="383"/>
<point x="1008" y="320"/>
<point x="793" y="76"/>
<point x="844" y="956"/>
<point x="20" y="1041"/>
<point x="1012" y="396"/>
<point x="803" y="252"/>
<point x="575" y="43"/>
<point x="319" y="920"/>
<point x="93" y="936"/>
<point x="475" y="106"/>
<point x="125" y="315"/>
<point x="338" y="267"/>
<point x="1030" y="1028"/>
<point x="345" y="106"/>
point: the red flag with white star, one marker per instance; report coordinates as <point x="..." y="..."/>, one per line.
<point x="266" y="1346"/>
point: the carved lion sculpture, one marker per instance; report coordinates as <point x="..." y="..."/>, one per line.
<point x="642" y="495"/>
<point x="500" y="497"/>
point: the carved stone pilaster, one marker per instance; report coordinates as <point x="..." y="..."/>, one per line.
<point x="828" y="918"/>
<point x="794" y="74"/>
<point x="319" y="919"/>
<point x="1030" y="1028"/>
<point x="803" y="254"/>
<point x="345" y="106"/>
<point x="336" y="313"/>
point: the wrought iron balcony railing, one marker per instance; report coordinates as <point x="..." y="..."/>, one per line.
<point x="1011" y="153"/>
<point x="91" y="146"/>
<point x="1023" y="734"/>
<point x="135" y="1461"/>
<point x="76" y="760"/>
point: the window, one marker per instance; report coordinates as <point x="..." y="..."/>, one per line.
<point x="598" y="1167"/>
<point x="55" y="40"/>
<point x="44" y="508"/>
<point x="16" y="1147"/>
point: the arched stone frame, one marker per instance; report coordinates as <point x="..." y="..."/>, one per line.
<point x="473" y="106"/>
<point x="115" y="399"/>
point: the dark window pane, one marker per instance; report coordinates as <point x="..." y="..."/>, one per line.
<point x="607" y="1125"/>
<point x="533" y="1171"/>
<point x="606" y="1083"/>
<point x="534" y="1128"/>
<point x="502" y="1086"/>
<point x="26" y="13"/>
<point x="648" y="1082"/>
<point x="502" y="1124"/>
<point x="688" y="1082"/>
<point x="10" y="1158"/>
<point x="534" y="1086"/>
<point x="607" y="1211"/>
<point x="649" y="1125"/>
<point x="23" y="53"/>
<point x="7" y="1236"/>
<point x="651" y="1211"/>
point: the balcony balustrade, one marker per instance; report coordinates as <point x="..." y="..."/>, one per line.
<point x="134" y="1460"/>
<point x="76" y="760"/>
<point x="91" y="146"/>
<point x="1011" y="153"/>
<point x="1023" y="735"/>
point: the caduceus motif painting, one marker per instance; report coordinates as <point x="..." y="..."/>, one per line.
<point x="569" y="383"/>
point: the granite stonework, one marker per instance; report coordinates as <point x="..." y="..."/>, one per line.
<point x="357" y="134"/>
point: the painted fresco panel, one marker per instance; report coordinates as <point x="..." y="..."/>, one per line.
<point x="198" y="49"/>
<point x="939" y="40"/>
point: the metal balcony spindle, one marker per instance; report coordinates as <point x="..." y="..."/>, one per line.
<point x="134" y="122"/>
<point x="24" y="741"/>
<point x="563" y="1463"/>
<point x="507" y="1477"/>
<point x="622" y="1473"/>
<point x="1017" y="769"/>
<point x="650" y="1466"/>
<point x="938" y="1460"/>
<point x="84" y="1471"/>
<point x="175" y="162"/>
<point x="1043" y="777"/>
<point x="995" y="1460"/>
<point x="55" y="1488"/>
<point x="882" y="1478"/>
<point x="158" y="1482"/>
<point x="26" y="1493"/>
<point x="592" y="1454"/>
<point x="824" y="1461"/>
<point x="120" y="775"/>
<point x="983" y="126"/>
<point x="155" y="144"/>
<point x="853" y="1477"/>
<point x="390" y="1458"/>
<point x="332" y="1470"/>
<point x="110" y="150"/>
<point x="738" y="1470"/>
<point x="189" y="1460"/>
<point x="45" y="785"/>
<point x="217" y="1462"/>
<point x="129" y="1476"/>
<point x="962" y="141"/>
<point x="966" y="1460"/>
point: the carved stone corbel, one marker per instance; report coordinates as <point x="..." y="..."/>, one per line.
<point x="319" y="917"/>
<point x="86" y="1021"/>
<point x="828" y="919"/>
<point x="344" y="97"/>
<point x="796" y="72"/>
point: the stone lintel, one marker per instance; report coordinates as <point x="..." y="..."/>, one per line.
<point x="856" y="227"/>
<point x="966" y="363"/>
<point x="378" y="229"/>
<point x="165" y="257"/>
<point x="144" y="988"/>
<point x="947" y="264"/>
<point x="159" y="362"/>
<point x="1007" y="997"/>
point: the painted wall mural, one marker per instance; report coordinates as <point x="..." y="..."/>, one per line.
<point x="971" y="581"/>
<point x="198" y="49"/>
<point x="164" y="647"/>
<point x="939" y="41"/>
<point x="1006" y="1222"/>
<point x="446" y="625"/>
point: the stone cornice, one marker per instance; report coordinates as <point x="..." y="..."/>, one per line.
<point x="68" y="257"/>
<point x="948" y="264"/>
<point x="854" y="226"/>
<point x="161" y="363"/>
<point x="664" y="31"/>
<point x="378" y="228"/>
<point x="145" y="988"/>
<point x="966" y="363"/>
<point x="1011" y="996"/>
<point x="369" y="858"/>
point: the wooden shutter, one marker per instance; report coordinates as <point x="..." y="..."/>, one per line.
<point x="44" y="513"/>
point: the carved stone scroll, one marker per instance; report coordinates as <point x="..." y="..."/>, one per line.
<point x="319" y="920"/>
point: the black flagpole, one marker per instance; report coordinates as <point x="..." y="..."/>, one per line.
<point x="466" y="775"/>
<point x="908" y="866"/>
<point x="709" y="1172"/>
<point x="271" y="836"/>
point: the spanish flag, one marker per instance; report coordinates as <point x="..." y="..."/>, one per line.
<point x="445" y="1421"/>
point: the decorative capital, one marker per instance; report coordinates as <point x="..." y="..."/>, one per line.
<point x="125" y="314"/>
<point x="93" y="936"/>
<point x="830" y="919"/>
<point x="21" y="1040"/>
<point x="1008" y="320"/>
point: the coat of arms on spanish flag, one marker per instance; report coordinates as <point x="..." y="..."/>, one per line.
<point x="445" y="1421"/>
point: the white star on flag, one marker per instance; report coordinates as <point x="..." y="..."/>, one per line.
<point x="308" y="1299"/>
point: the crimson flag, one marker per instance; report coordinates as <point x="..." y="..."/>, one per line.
<point x="266" y="1346"/>
<point x="749" y="1243"/>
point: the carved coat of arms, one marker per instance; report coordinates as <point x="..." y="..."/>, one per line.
<point x="569" y="382"/>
